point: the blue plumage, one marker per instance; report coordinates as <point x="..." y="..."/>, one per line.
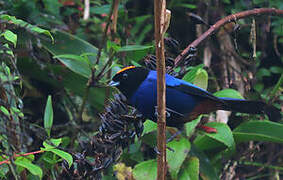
<point x="184" y="101"/>
<point x="144" y="99"/>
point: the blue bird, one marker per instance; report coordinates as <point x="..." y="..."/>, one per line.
<point x="184" y="101"/>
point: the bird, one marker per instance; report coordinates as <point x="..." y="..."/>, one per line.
<point x="184" y="101"/>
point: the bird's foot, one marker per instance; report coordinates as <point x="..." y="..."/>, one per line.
<point x="207" y="129"/>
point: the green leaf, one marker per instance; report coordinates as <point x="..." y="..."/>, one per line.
<point x="48" y="116"/>
<point x="145" y="170"/>
<point x="190" y="6"/>
<point x="149" y="126"/>
<point x="201" y="79"/>
<point x="190" y="76"/>
<point x="26" y="163"/>
<point x="190" y="126"/>
<point x="10" y="36"/>
<point x="52" y="143"/>
<point x="223" y="136"/>
<point x="23" y="24"/>
<point x="133" y="48"/>
<point x="207" y="170"/>
<point x="42" y="31"/>
<point x="4" y="110"/>
<point x="266" y="131"/>
<point x="75" y="63"/>
<point x="190" y="170"/>
<point x="182" y="148"/>
<point x="230" y="93"/>
<point x="67" y="44"/>
<point x="262" y="72"/>
<point x="276" y="69"/>
<point x="68" y="157"/>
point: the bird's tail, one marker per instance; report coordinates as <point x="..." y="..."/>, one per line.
<point x="251" y="107"/>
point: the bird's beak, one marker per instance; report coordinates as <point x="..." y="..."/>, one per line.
<point x="114" y="83"/>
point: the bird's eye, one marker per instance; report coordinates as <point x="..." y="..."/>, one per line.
<point x="125" y="76"/>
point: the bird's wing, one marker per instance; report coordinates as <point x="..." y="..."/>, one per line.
<point x="194" y="91"/>
<point x="189" y="88"/>
<point x="183" y="86"/>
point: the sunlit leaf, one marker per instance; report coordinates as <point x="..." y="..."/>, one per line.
<point x="190" y="171"/>
<point x="26" y="163"/>
<point x="180" y="147"/>
<point x="145" y="170"/>
<point x="10" y="36"/>
<point x="230" y="93"/>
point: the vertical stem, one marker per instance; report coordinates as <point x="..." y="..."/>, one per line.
<point x="159" y="13"/>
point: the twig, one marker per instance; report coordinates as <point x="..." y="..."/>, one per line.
<point x="21" y="155"/>
<point x="225" y="20"/>
<point x="91" y="80"/>
<point x="104" y="34"/>
<point x="161" y="25"/>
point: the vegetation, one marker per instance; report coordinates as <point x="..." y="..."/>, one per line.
<point x="60" y="120"/>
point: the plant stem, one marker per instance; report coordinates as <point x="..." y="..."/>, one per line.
<point x="160" y="29"/>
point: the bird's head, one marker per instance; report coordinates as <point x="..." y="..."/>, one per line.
<point x="128" y="79"/>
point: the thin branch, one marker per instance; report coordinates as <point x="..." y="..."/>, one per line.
<point x="21" y="155"/>
<point x="161" y="25"/>
<point x="91" y="80"/>
<point x="102" y="44"/>
<point x="222" y="22"/>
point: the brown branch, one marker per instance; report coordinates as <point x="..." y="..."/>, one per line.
<point x="21" y="155"/>
<point x="222" y="22"/>
<point x="160" y="29"/>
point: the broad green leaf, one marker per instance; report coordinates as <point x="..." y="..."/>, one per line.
<point x="48" y="116"/>
<point x="201" y="79"/>
<point x="133" y="48"/>
<point x="211" y="140"/>
<point x="146" y="170"/>
<point x="149" y="126"/>
<point x="266" y="131"/>
<point x="10" y="36"/>
<point x="190" y="170"/>
<point x="230" y="93"/>
<point x="182" y="148"/>
<point x="190" y="76"/>
<point x="26" y="163"/>
<point x="207" y="170"/>
<point x="64" y="155"/>
<point x="66" y="45"/>
<point x="75" y="63"/>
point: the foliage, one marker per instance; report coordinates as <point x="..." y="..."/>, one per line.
<point x="53" y="84"/>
